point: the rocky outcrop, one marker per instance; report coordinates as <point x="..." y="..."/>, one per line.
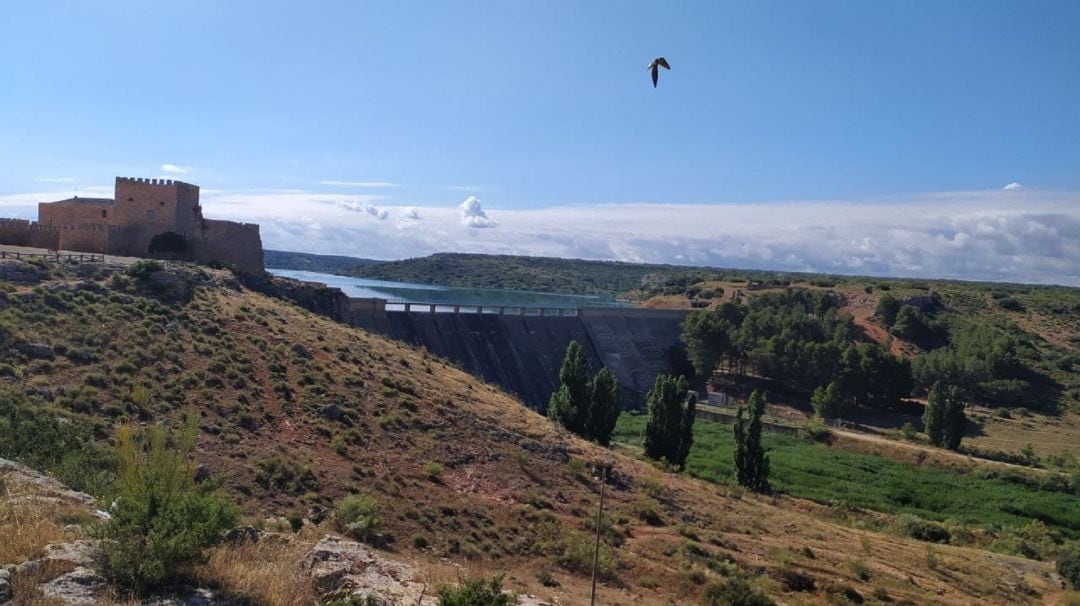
<point x="316" y="298"/>
<point x="346" y="568"/>
<point x="13" y="270"/>
<point x="45" y="489"/>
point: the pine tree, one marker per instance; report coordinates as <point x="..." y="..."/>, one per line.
<point x="671" y="408"/>
<point x="569" y="405"/>
<point x="751" y="463"/>
<point x="827" y="401"/>
<point x="604" y="406"/>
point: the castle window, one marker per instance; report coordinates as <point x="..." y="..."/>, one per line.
<point x="151" y="214"/>
<point x="104" y="214"/>
<point x="130" y="199"/>
<point x="161" y="204"/>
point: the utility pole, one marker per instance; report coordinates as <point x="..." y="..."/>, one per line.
<point x="599" y="526"/>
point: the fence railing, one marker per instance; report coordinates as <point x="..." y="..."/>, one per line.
<point x="55" y="257"/>
<point x="459" y="308"/>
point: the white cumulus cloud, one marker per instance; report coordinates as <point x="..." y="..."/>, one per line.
<point x="410" y="213"/>
<point x="473" y="215"/>
<point x="175" y="169"/>
<point x="1013" y="186"/>
<point x="364" y="207"/>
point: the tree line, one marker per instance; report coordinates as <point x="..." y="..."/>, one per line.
<point x="802" y="341"/>
<point x="590" y="409"/>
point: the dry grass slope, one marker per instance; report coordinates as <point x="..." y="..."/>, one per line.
<point x="299" y="411"/>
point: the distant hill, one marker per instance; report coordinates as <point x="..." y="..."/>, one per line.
<point x="573" y="276"/>
<point x="327" y="264"/>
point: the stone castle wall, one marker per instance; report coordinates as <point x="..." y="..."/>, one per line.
<point x="142" y="209"/>
<point x="84" y="238"/>
<point x="235" y="244"/>
<point x="73" y="213"/>
<point x="20" y="232"/>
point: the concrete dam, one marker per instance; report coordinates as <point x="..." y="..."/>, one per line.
<point x="519" y="349"/>
<point x="522" y="353"/>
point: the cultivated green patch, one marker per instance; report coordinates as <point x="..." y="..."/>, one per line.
<point x="813" y="471"/>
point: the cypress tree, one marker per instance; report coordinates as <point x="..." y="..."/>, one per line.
<point x="569" y="405"/>
<point x="943" y="419"/>
<point x="742" y="466"/>
<point x="604" y="406"/>
<point x="671" y="408"/>
<point x="751" y="463"/>
<point x="934" y="415"/>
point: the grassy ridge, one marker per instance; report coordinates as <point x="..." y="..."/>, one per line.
<point x="327" y="264"/>
<point x="813" y="471"/>
<point x="569" y="276"/>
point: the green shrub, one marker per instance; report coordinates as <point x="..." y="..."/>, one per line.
<point x="575" y="550"/>
<point x="358" y="516"/>
<point x="433" y="470"/>
<point x="162" y="519"/>
<point x="648" y="511"/>
<point x="735" y="592"/>
<point x="1068" y="564"/>
<point x="285" y="474"/>
<point x="476" y="592"/>
<point x="923" y="530"/>
<point x="141" y="270"/>
<point x="35" y="437"/>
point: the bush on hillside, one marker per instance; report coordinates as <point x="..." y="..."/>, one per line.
<point x="1068" y="564"/>
<point x="476" y="592"/>
<point x="162" y="520"/>
<point x="358" y="516"/>
<point x="141" y="270"/>
<point x="735" y="592"/>
<point x="923" y="530"/>
<point x="35" y="437"/>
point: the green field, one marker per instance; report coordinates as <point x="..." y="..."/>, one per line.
<point x="816" y="472"/>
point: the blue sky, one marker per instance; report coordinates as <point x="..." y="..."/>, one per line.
<point x="284" y="112"/>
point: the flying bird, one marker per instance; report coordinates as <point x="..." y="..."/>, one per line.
<point x="655" y="66"/>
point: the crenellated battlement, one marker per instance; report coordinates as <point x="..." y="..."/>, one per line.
<point x="152" y="181"/>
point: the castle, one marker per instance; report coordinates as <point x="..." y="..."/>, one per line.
<point x="147" y="217"/>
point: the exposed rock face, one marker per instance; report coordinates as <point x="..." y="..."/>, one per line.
<point x="45" y="488"/>
<point x="5" y="585"/>
<point x="79" y="587"/>
<point x="316" y="298"/>
<point x="348" y="568"/>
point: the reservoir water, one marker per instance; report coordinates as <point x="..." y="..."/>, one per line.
<point x="405" y="292"/>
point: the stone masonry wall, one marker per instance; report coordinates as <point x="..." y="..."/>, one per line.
<point x="15" y="232"/>
<point x="84" y="238"/>
<point x="236" y="244"/>
<point x="73" y="213"/>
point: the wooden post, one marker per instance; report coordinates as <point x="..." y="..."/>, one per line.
<point x="599" y="527"/>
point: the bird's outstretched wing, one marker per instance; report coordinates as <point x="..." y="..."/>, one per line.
<point x="655" y="75"/>
<point x="663" y="62"/>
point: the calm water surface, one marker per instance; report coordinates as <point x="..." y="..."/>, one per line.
<point x="406" y="292"/>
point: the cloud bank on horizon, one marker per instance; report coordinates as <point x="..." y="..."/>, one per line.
<point x="1011" y="234"/>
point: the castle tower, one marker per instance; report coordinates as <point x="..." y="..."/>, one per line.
<point x="144" y="208"/>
